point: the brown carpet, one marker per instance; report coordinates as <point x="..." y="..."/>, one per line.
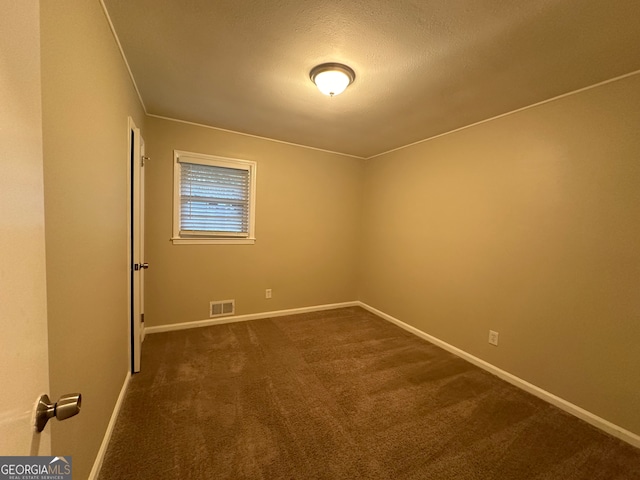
<point x="340" y="394"/>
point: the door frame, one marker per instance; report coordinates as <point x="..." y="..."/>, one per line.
<point x="135" y="205"/>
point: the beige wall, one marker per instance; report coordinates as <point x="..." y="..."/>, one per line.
<point x="528" y="225"/>
<point x="87" y="96"/>
<point x="307" y="229"/>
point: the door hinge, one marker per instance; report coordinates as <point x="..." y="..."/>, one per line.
<point x="143" y="159"/>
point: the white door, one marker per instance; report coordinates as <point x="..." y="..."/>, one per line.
<point x="140" y="226"/>
<point x="138" y="265"/>
<point x="24" y="368"/>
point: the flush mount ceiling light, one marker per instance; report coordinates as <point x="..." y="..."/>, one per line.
<point x="332" y="78"/>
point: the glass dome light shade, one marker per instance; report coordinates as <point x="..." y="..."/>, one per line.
<point x="332" y="78"/>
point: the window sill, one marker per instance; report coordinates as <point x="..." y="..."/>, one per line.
<point x="213" y="241"/>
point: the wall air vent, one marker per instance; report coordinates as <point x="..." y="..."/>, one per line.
<point x="222" y="308"/>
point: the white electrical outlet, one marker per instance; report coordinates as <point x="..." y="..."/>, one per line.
<point x="267" y="293"/>
<point x="493" y="338"/>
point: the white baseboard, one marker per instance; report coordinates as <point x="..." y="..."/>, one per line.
<point x="561" y="403"/>
<point x="244" y="318"/>
<point x="97" y="464"/>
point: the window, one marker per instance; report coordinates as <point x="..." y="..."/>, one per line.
<point x="214" y="199"/>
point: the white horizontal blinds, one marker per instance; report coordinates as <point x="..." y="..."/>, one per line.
<point x="214" y="200"/>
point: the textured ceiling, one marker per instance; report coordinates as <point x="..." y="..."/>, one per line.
<point x="422" y="67"/>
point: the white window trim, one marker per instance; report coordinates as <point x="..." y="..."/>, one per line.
<point x="216" y="161"/>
